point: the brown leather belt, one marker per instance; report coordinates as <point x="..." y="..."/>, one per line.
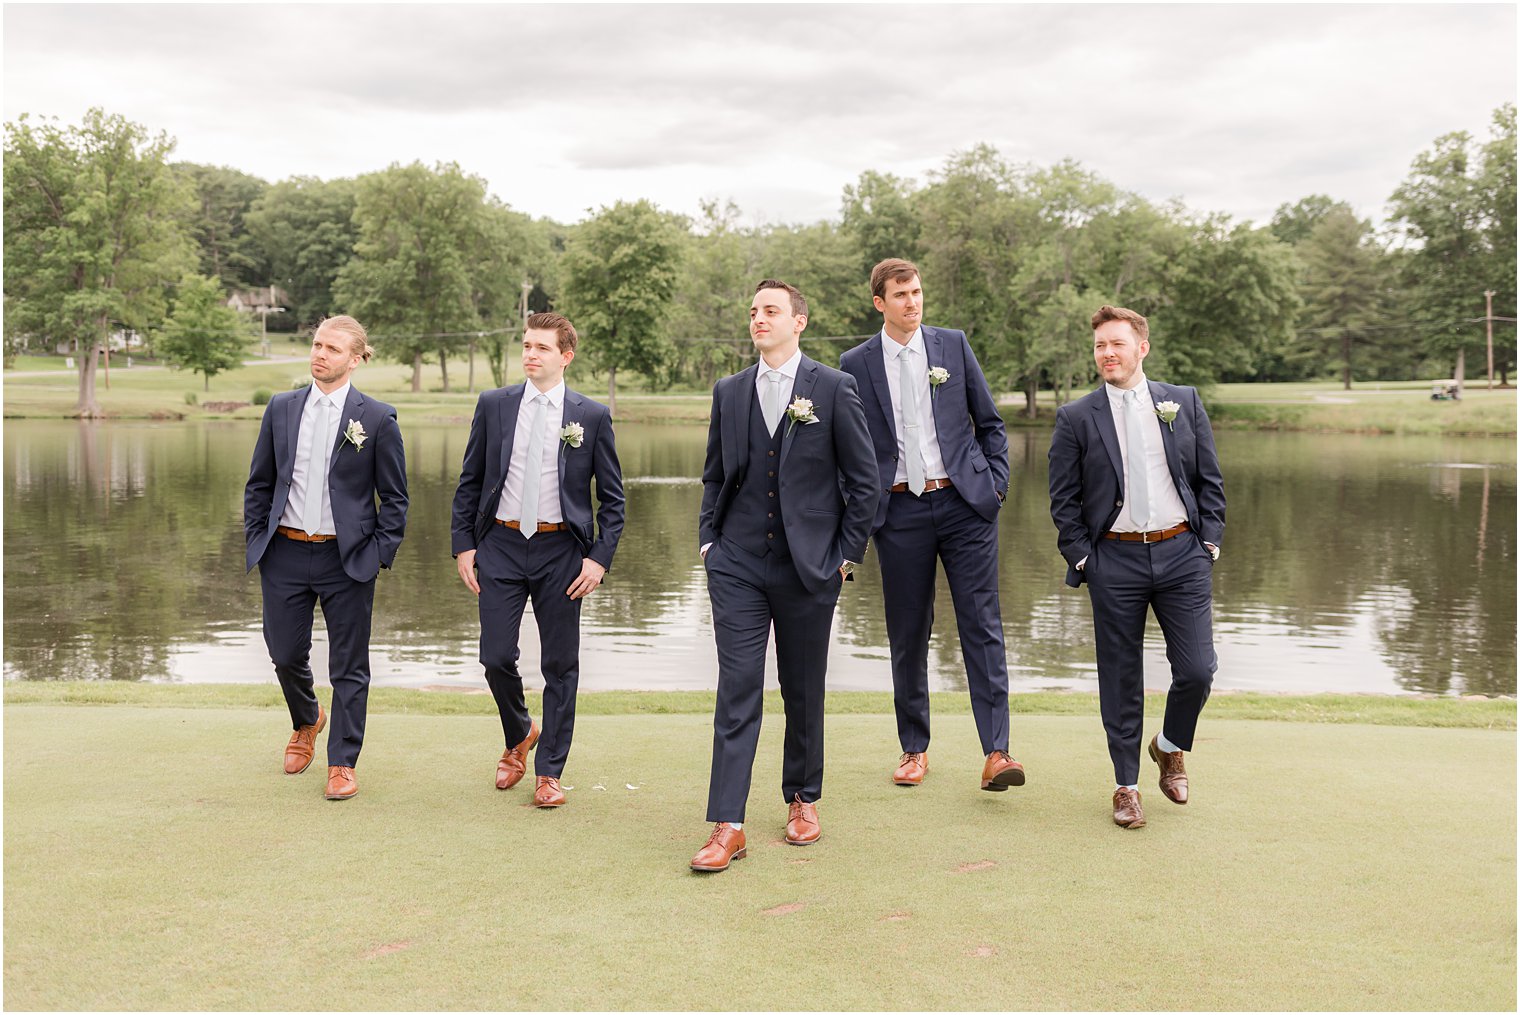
<point x="301" y="536"/>
<point x="932" y="484"/>
<point x="513" y="523"/>
<point x="1153" y="536"/>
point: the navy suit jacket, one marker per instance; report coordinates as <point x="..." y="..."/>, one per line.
<point x="827" y="480"/>
<point x="972" y="440"/>
<point x="356" y="477"/>
<point x="1087" y="471"/>
<point x="489" y="452"/>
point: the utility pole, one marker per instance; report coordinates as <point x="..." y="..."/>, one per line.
<point x="1488" y="317"/>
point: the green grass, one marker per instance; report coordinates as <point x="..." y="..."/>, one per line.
<point x="1372" y="709"/>
<point x="1395" y="408"/>
<point x="157" y="858"/>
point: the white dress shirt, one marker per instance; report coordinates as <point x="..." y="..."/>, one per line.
<point x="918" y="370"/>
<point x="509" y="508"/>
<point x="788" y="380"/>
<point x="1167" y="509"/>
<point x="295" y="503"/>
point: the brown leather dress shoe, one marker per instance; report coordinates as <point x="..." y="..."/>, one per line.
<point x="1127" y="812"/>
<point x="911" y="768"/>
<point x="340" y="782"/>
<point x="1173" y="775"/>
<point x="514" y="760"/>
<point x="303" y="744"/>
<point x="1001" y="771"/>
<point x="802" y="823"/>
<point x="724" y="845"/>
<point x="546" y="793"/>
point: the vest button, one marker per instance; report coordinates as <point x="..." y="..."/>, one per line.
<point x="770" y="535"/>
<point x="770" y="514"/>
<point x="771" y="474"/>
<point x="771" y="493"/>
<point x="771" y="454"/>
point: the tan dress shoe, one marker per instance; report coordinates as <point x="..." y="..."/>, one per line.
<point x="340" y="782"/>
<point x="303" y="744"/>
<point x="724" y="846"/>
<point x="1127" y="811"/>
<point x="546" y="793"/>
<point x="1001" y="771"/>
<point x="802" y="823"/>
<point x="514" y="760"/>
<point x="1174" y="784"/>
<point x="911" y="768"/>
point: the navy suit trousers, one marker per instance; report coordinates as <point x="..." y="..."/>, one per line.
<point x="512" y="569"/>
<point x="295" y="576"/>
<point x="749" y="595"/>
<point x="916" y="531"/>
<point x="1174" y="578"/>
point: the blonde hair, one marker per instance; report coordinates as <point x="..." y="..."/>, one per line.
<point x="357" y="336"/>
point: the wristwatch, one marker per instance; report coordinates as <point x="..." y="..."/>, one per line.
<point x="847" y="568"/>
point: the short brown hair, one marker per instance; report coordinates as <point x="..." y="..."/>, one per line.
<point x="560" y="325"/>
<point x="799" y="301"/>
<point x="893" y="269"/>
<point x="358" y="338"/>
<point x="1107" y="313"/>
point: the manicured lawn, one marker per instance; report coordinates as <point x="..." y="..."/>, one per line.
<point x="156" y="857"/>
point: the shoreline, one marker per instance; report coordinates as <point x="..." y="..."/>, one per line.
<point x="1467" y="712"/>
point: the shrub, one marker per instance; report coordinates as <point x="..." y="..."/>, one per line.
<point x="262" y="396"/>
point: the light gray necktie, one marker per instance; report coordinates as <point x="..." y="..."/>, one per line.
<point x="1139" y="484"/>
<point x="317" y="453"/>
<point x="770" y="406"/>
<point x="913" y="444"/>
<point x="533" y="466"/>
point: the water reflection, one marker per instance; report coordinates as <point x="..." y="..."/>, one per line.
<point x="1350" y="564"/>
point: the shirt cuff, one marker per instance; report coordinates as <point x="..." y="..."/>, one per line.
<point x="703" y="552"/>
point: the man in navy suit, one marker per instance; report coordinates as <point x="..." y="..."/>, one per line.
<point x="788" y="494"/>
<point x="1138" y="502"/>
<point x="325" y="454"/>
<point x="942" y="464"/>
<point x="523" y="529"/>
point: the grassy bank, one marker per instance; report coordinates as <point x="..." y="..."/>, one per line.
<point x="1370" y="709"/>
<point x="157" y="858"/>
<point x="154" y="392"/>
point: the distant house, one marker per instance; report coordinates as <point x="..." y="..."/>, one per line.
<point x="123" y="339"/>
<point x="262" y="300"/>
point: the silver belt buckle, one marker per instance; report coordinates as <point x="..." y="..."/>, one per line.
<point x="1145" y="537"/>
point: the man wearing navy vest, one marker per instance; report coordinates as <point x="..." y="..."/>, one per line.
<point x="324" y="456"/>
<point x="942" y="461"/>
<point x="1138" y="502"/>
<point x="523" y="529"/>
<point x="788" y="494"/>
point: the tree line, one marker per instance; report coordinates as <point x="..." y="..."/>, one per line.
<point x="104" y="231"/>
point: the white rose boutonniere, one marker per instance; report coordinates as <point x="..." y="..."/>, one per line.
<point x="355" y="434"/>
<point x="1168" y="412"/>
<point x="572" y="434"/>
<point x="937" y="376"/>
<point x="800" y="411"/>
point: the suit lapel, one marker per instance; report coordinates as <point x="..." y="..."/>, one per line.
<point x="350" y="411"/>
<point x="569" y="414"/>
<point x="934" y="356"/>
<point x="742" y="404"/>
<point x="507" y="423"/>
<point x="877" y="371"/>
<point x="1103" y="415"/>
<point x="293" y="426"/>
<point x="802" y="387"/>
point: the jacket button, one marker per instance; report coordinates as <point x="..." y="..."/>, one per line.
<point x="1118" y="503"/>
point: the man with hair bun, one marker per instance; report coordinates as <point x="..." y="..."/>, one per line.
<point x="523" y="528"/>
<point x="324" y="455"/>
<point x="1138" y="502"/>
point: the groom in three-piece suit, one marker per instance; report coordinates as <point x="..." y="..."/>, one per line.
<point x="942" y="459"/>
<point x="325" y="454"/>
<point x="1138" y="502"/>
<point x="523" y="528"/>
<point x="788" y="495"/>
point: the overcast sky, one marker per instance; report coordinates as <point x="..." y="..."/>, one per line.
<point x="565" y="108"/>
